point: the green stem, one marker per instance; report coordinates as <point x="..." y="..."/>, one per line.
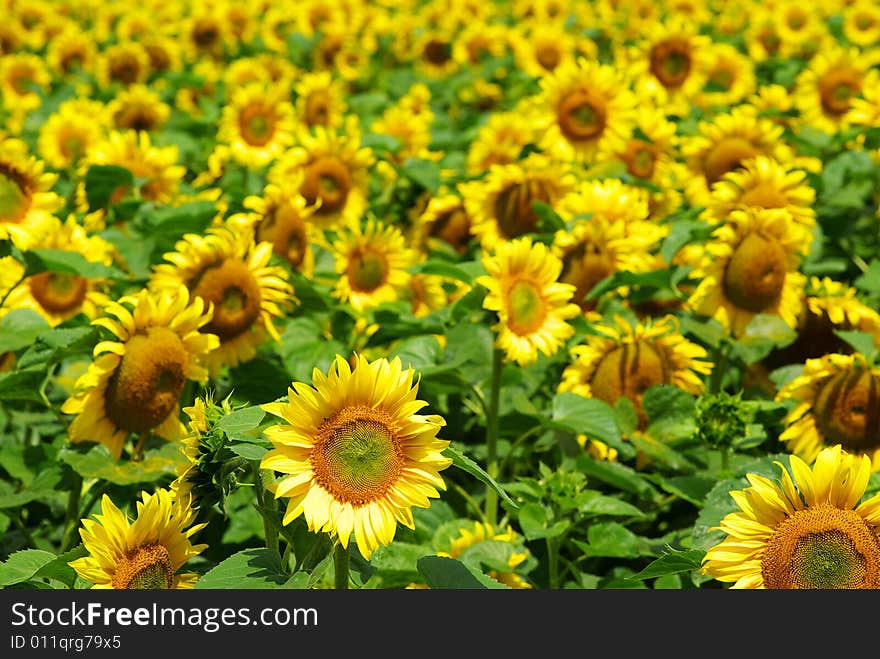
<point x="138" y="453"/>
<point x="270" y="528"/>
<point x="469" y="500"/>
<point x="553" y="562"/>
<point x="71" y="519"/>
<point x="340" y="565"/>
<point x="528" y="434"/>
<point x="19" y="522"/>
<point x="492" y="435"/>
<point x="10" y="289"/>
<point x="717" y="376"/>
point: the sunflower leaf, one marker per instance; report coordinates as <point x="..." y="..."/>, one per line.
<point x="464" y="463"/>
<point x="23" y="565"/>
<point x="102" y="181"/>
<point x="672" y="563"/>
<point x="253" y="569"/>
<point x="587" y="416"/>
<point x="442" y="572"/>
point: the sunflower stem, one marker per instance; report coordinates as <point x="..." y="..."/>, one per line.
<point x="492" y="435"/>
<point x="138" y="453"/>
<point x="717" y="376"/>
<point x="270" y="527"/>
<point x="553" y="562"/>
<point x="340" y="567"/>
<point x="71" y="520"/>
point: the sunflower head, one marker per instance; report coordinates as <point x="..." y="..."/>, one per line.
<point x="471" y="534"/>
<point x="721" y="419"/>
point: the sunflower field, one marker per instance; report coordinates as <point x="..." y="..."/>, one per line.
<point x="408" y="294"/>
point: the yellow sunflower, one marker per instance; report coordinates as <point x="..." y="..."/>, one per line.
<point x="501" y="139"/>
<point x="749" y="267"/>
<point x="413" y="133"/>
<point x="134" y="383"/>
<point x="70" y="133"/>
<point x="230" y="271"/>
<point x="801" y="28"/>
<point x="838" y="402"/>
<point x="624" y="360"/>
<point x="477" y="532"/>
<point x="541" y="48"/>
<point x="807" y="531"/>
<point x="589" y="111"/>
<point x="730" y="77"/>
<point x="138" y="107"/>
<point x="478" y="41"/>
<point x="145" y="554"/>
<point x="532" y="305"/>
<point x="501" y="204"/>
<point x="354" y="453"/>
<point x="23" y="76"/>
<point x="26" y="195"/>
<point x="372" y="263"/>
<point x="861" y="23"/>
<point x="320" y="100"/>
<point x="164" y="52"/>
<point x="426" y="294"/>
<point x="70" y="51"/>
<point x="444" y="221"/>
<point x="432" y="52"/>
<point x="123" y="63"/>
<point x="257" y="124"/>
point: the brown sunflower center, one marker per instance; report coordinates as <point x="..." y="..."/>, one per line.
<point x="290" y="238"/>
<point x="671" y="61"/>
<point x="864" y="21"/>
<point x="205" y="33"/>
<point x="640" y="158"/>
<point x="526" y="307"/>
<point x="437" y="52"/>
<point x="722" y="77"/>
<point x="755" y="273"/>
<point x="14" y="195"/>
<point x="367" y="270"/>
<point x="146" y="568"/>
<point x="513" y="207"/>
<point x="726" y="156"/>
<point x="125" y="68"/>
<point x="317" y="108"/>
<point x="235" y="293"/>
<point x="358" y="454"/>
<point x="548" y="56"/>
<point x="71" y="146"/>
<point x="796" y="19"/>
<point x="764" y="195"/>
<point x="453" y="227"/>
<point x="160" y="58"/>
<point x="847" y="410"/>
<point x="57" y="292"/>
<point x="72" y="58"/>
<point x="837" y="88"/>
<point x="581" y="116"/>
<point x="256" y="124"/>
<point x="144" y="389"/>
<point x="822" y="547"/>
<point x="584" y="267"/>
<point x="21" y="78"/>
<point x="136" y="118"/>
<point x="327" y="180"/>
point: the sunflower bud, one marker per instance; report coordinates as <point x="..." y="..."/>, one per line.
<point x="721" y="419"/>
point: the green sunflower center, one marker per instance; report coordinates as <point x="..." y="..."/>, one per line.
<point x="640" y="158"/>
<point x="145" y="387"/>
<point x="57" y="292"/>
<point x="256" y="125"/>
<point x="847" y="410"/>
<point x="328" y="181"/>
<point x="526" y="308"/>
<point x="670" y="61"/>
<point x="14" y="198"/>
<point x="822" y="547"/>
<point x="513" y="207"/>
<point x="357" y="454"/>
<point x="581" y="116"/>
<point x="235" y="293"/>
<point x="367" y="270"/>
<point x="837" y="88"/>
<point x="755" y="275"/>
<point x="146" y="568"/>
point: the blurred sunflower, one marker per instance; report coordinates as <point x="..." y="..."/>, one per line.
<point x="71" y="132"/>
<point x="480" y="40"/>
<point x="477" y="532"/>
<point x="426" y="294"/>
<point x="123" y="63"/>
<point x="138" y="107"/>
<point x="730" y="77"/>
<point x="257" y="124"/>
<point x="412" y="132"/>
<point x="26" y="195"/>
<point x="145" y="554"/>
<point x="354" y="454"/>
<point x="71" y="51"/>
<point x="861" y="23"/>
<point x="443" y="223"/>
<point x="320" y="99"/>
<point x="625" y="360"/>
<point x="432" y="52"/>
<point x="227" y="269"/>
<point x="763" y="41"/>
<point x="203" y="34"/>
<point x="541" y="48"/>
<point x="134" y="383"/>
<point x="24" y="77"/>
<point x="749" y="267"/>
<point x="165" y="54"/>
<point x="500" y="140"/>
<point x="837" y="402"/>
<point x="372" y="263"/>
<point x="808" y="531"/>
<point x="801" y="28"/>
<point x="532" y="305"/>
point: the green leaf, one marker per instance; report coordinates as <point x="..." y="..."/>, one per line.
<point x="869" y="281"/>
<point x="616" y="474"/>
<point x="443" y="269"/>
<point x="861" y="341"/>
<point x="60" y="570"/>
<point x="19" y="328"/>
<point x="586" y="416"/>
<point x="399" y="557"/>
<point x="251" y="569"/>
<point x="97" y="462"/>
<point x="425" y="173"/>
<point x="69" y="263"/>
<point x="614" y="540"/>
<point x="549" y="220"/>
<point x="535" y="524"/>
<point x="22" y="384"/>
<point x="242" y="420"/>
<point x="672" y="563"/>
<point x="690" y="488"/>
<point x="464" y="463"/>
<point x="23" y="565"/>
<point x="44" y="487"/>
<point x="102" y="181"/>
<point x="489" y="555"/>
<point x="599" y="504"/>
<point x="443" y="572"/>
<point x="248" y="451"/>
<point x="304" y="347"/>
<point x="57" y="344"/>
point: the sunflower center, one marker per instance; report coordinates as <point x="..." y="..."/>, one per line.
<point x="205" y="34"/>
<point x="327" y="180"/>
<point x="548" y="56"/>
<point x="513" y="207"/>
<point x="291" y="242"/>
<point x="14" y="197"/>
<point x="796" y="19"/>
<point x="526" y="307"/>
<point x="235" y="293"/>
<point x="125" y="68"/>
<point x="848" y="410"/>
<point x="584" y="267"/>
<point x="367" y="270"/>
<point x="580" y="116"/>
<point x="145" y="568"/>
<point x="822" y="547"/>
<point x="769" y="40"/>
<point x="640" y="158"/>
<point x="722" y="77"/>
<point x="437" y="52"/>
<point x="71" y="147"/>
<point x="452" y="227"/>
<point x="671" y="61"/>
<point x="20" y="79"/>
<point x="837" y="88"/>
<point x="317" y="112"/>
<point x="628" y="371"/>
<point x="764" y="195"/>
<point x="755" y="274"/>
<point x="726" y="156"/>
<point x="144" y="389"/>
<point x="864" y="21"/>
<point x="256" y="125"/>
<point x="57" y="292"/>
<point x="357" y="454"/>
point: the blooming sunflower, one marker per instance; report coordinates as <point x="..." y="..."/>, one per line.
<point x="283" y="219"/>
<point x="801" y="28"/>
<point x="20" y="74"/>
<point x="145" y="554"/>
<point x="69" y="134"/>
<point x="134" y="383"/>
<point x="624" y="360"/>
<point x="807" y="531"/>
<point x="532" y="305"/>
<point x="138" y="107"/>
<point x="749" y="267"/>
<point x="541" y="48"/>
<point x="26" y="195"/>
<point x="320" y="100"/>
<point x="589" y="111"/>
<point x="730" y="77"/>
<point x="501" y="139"/>
<point x="123" y="63"/>
<point x="71" y="50"/>
<point x="354" y="454"/>
<point x="230" y="271"/>
<point x="473" y="533"/>
<point x="372" y="264"/>
<point x="838" y="402"/>
<point x="257" y="124"/>
<point x="861" y="23"/>
<point x="444" y="221"/>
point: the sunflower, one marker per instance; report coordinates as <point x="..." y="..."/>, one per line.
<point x="861" y="23"/>
<point x="432" y="52"/>
<point x="26" y="196"/>
<point x="541" y="48"/>
<point x="372" y="264"/>
<point x="624" y="360"/>
<point x="501" y="205"/>
<point x="70" y="51"/>
<point x="800" y="27"/>
<point x="473" y="533"/>
<point x="808" y="531"/>
<point x="124" y="63"/>
<point x="320" y="100"/>
<point x="412" y="132"/>
<point x="230" y="271"/>
<point x="142" y="555"/>
<point x="137" y="107"/>
<point x="443" y="223"/>
<point x="24" y="77"/>
<point x="57" y="296"/>
<point x="164" y="52"/>
<point x="763" y="41"/>
<point x="825" y="90"/>
<point x="204" y="34"/>
<point x="478" y="41"/>
<point x="837" y="402"/>
<point x="334" y="168"/>
<point x="532" y="305"/>
<point x="257" y="124"/>
<point x="354" y="454"/>
<point x="749" y="267"/>
<point x="723" y="143"/>
<point x="201" y="84"/>
<point x="70" y="133"/>
<point x="589" y="111"/>
<point x="426" y="294"/>
<point x="730" y="77"/>
<point x="134" y="383"/>
<point x="501" y="139"/>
